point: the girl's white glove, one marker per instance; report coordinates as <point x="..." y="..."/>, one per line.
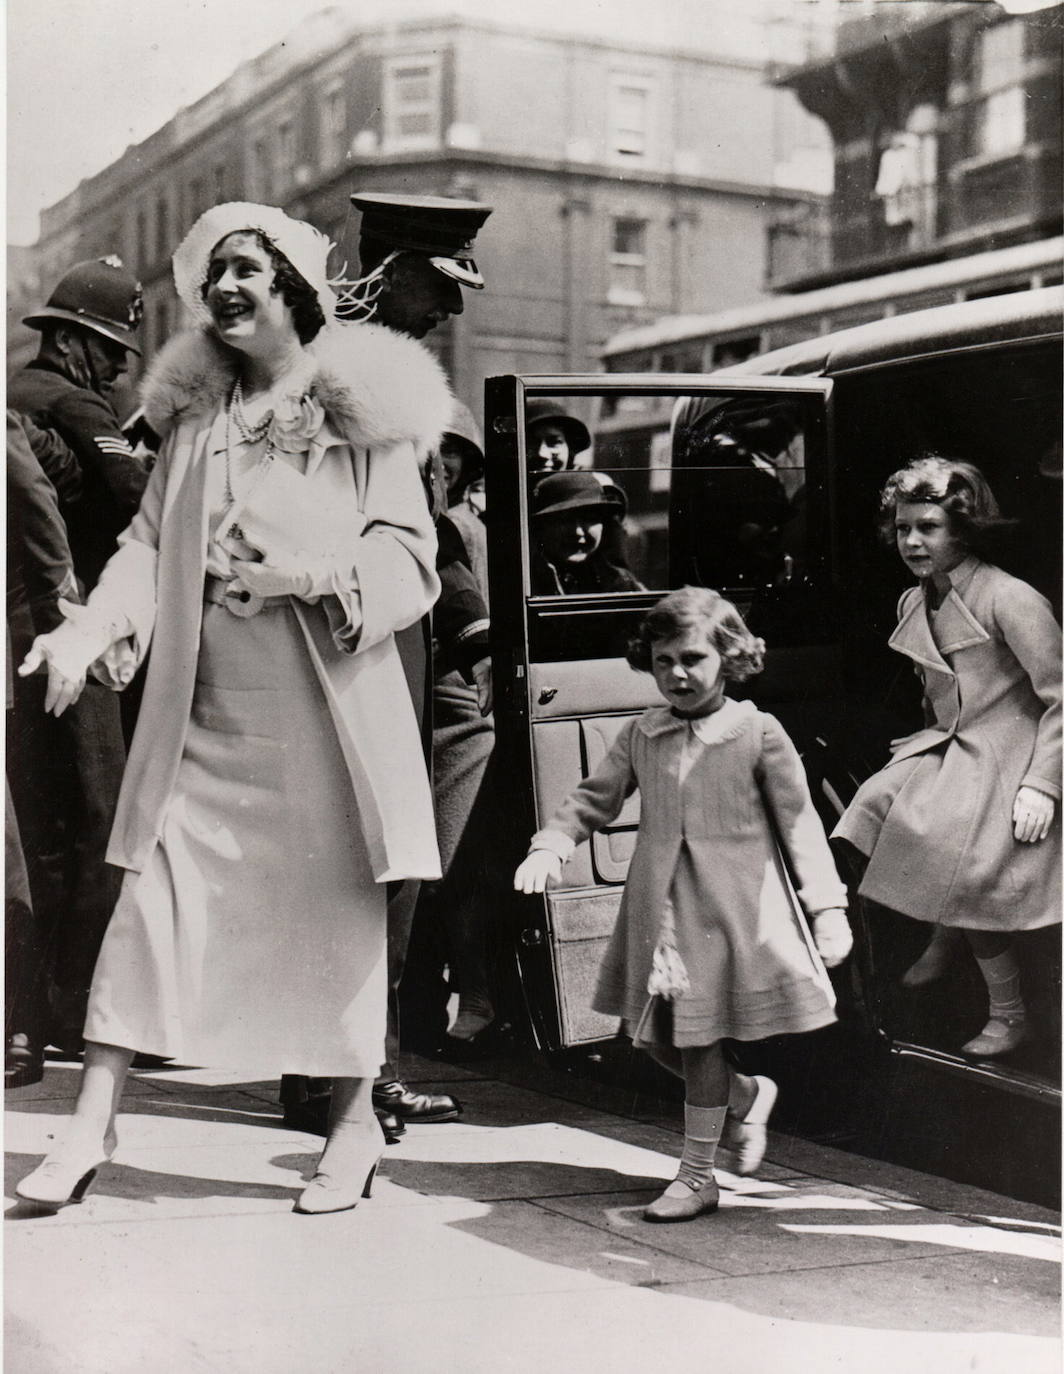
<point x="298" y="574"/>
<point x="534" y="871"/>
<point x="831" y="933"/>
<point x="69" y="651"/>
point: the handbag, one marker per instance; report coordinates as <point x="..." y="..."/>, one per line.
<point x="282" y="514"/>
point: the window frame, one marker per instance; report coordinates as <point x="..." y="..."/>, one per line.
<point x="646" y="85"/>
<point x="617" y="293"/>
<point x="393" y="109"/>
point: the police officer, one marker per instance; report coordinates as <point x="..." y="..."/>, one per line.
<point x="69" y="769"/>
<point x="40" y="571"/>
<point x="416" y="256"/>
<point x="88" y="329"/>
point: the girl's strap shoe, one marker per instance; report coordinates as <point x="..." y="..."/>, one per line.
<point x="1002" y="1034"/>
<point x="702" y="1196"/>
<point x="748" y="1138"/>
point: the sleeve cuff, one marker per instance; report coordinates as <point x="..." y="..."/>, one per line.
<point x="1051" y="789"/>
<point x="554" y="840"/>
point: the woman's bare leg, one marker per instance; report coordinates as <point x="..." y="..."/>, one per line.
<point x="88" y="1138"/>
<point x="352" y="1151"/>
<point x="102" y="1079"/>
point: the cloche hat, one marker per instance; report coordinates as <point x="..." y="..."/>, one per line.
<point x="576" y="432"/>
<point x="577" y="490"/>
<point x="305" y="247"/>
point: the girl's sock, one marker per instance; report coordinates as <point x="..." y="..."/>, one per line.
<point x="1001" y="974"/>
<point x="1006" y="1028"/>
<point x="694" y="1190"/>
<point x="702" y="1129"/>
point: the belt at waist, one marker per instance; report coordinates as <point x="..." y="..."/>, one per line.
<point x="219" y="592"/>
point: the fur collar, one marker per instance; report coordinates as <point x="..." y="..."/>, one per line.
<point x="378" y="387"/>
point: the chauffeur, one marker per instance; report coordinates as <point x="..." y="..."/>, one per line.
<point x="70" y="768"/>
<point x="416" y="256"/>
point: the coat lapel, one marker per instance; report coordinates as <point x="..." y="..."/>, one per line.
<point x="914" y="639"/>
<point x="955" y="626"/>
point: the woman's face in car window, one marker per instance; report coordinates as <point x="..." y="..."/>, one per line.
<point x="548" y="448"/>
<point x="570" y="536"/>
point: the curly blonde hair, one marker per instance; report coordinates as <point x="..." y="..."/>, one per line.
<point x="742" y="653"/>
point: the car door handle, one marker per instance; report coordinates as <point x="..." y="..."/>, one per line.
<point x="547" y="695"/>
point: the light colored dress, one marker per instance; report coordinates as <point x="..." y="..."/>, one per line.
<point x="707" y="863"/>
<point x="254" y="937"/>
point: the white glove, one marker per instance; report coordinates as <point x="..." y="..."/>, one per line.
<point x="536" y="869"/>
<point x="69" y="651"/>
<point x="831" y="933"/>
<point x="298" y="574"/>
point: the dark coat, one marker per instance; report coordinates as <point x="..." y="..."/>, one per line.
<point x="112" y="478"/>
<point x="39" y="565"/>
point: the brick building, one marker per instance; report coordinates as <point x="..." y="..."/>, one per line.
<point x="946" y="123"/>
<point x="629" y="181"/>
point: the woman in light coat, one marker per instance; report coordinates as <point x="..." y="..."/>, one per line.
<point x="960" y="827"/>
<point x="276" y="782"/>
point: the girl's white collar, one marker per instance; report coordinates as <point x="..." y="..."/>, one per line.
<point x="726" y="723"/>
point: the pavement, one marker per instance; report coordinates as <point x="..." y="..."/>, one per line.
<point x="510" y="1241"/>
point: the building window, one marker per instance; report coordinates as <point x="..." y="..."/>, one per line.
<point x="333" y="125"/>
<point x="999" y="56"/>
<point x="286" y="155"/>
<point x="628" y="262"/>
<point x="630" y="114"/>
<point x="412" y="102"/>
<point x="1000" y="117"/>
<point x="1001" y="123"/>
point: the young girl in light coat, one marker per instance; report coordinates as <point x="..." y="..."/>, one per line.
<point x="708" y="943"/>
<point x="960" y="827"/>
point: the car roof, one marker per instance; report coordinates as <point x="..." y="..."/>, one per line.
<point x="1013" y="318"/>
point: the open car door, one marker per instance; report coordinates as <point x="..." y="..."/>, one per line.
<point x="723" y="485"/>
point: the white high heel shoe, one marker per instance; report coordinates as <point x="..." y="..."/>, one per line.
<point x="342" y="1181"/>
<point x="67" y="1172"/>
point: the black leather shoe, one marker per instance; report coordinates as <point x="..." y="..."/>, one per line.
<point x="393" y="1128"/>
<point x="23" y="1064"/>
<point x="312" y="1115"/>
<point x="397" y="1098"/>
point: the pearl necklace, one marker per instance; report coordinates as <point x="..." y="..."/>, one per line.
<point x="234" y="415"/>
<point x="251" y="434"/>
